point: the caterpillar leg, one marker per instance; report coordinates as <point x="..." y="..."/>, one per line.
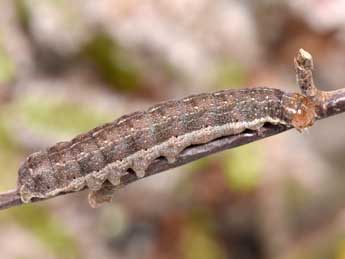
<point x="103" y="195"/>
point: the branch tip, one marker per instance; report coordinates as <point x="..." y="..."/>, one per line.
<point x="304" y="73"/>
<point x="305" y="59"/>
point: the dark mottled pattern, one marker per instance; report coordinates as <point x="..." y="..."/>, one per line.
<point x="114" y="141"/>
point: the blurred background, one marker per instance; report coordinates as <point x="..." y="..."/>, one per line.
<point x="68" y="66"/>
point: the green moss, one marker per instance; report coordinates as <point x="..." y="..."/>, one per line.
<point x="198" y="165"/>
<point x="7" y="143"/>
<point x="198" y="240"/>
<point x="7" y="70"/>
<point x="242" y="167"/>
<point x="296" y="195"/>
<point x="340" y="249"/>
<point x="229" y="75"/>
<point x="22" y="13"/>
<point x="60" y="116"/>
<point x="9" y="157"/>
<point x="112" y="63"/>
<point x="9" y="164"/>
<point x="38" y="220"/>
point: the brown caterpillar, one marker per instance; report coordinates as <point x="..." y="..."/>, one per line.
<point x="133" y="141"/>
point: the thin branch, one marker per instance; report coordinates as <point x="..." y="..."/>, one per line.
<point x="327" y="104"/>
<point x="9" y="199"/>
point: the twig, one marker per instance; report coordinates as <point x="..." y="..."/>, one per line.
<point x="9" y="199"/>
<point x="304" y="73"/>
<point x="327" y="104"/>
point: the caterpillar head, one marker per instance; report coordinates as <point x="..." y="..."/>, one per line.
<point x="298" y="111"/>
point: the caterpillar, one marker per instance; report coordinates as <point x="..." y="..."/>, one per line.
<point x="132" y="142"/>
